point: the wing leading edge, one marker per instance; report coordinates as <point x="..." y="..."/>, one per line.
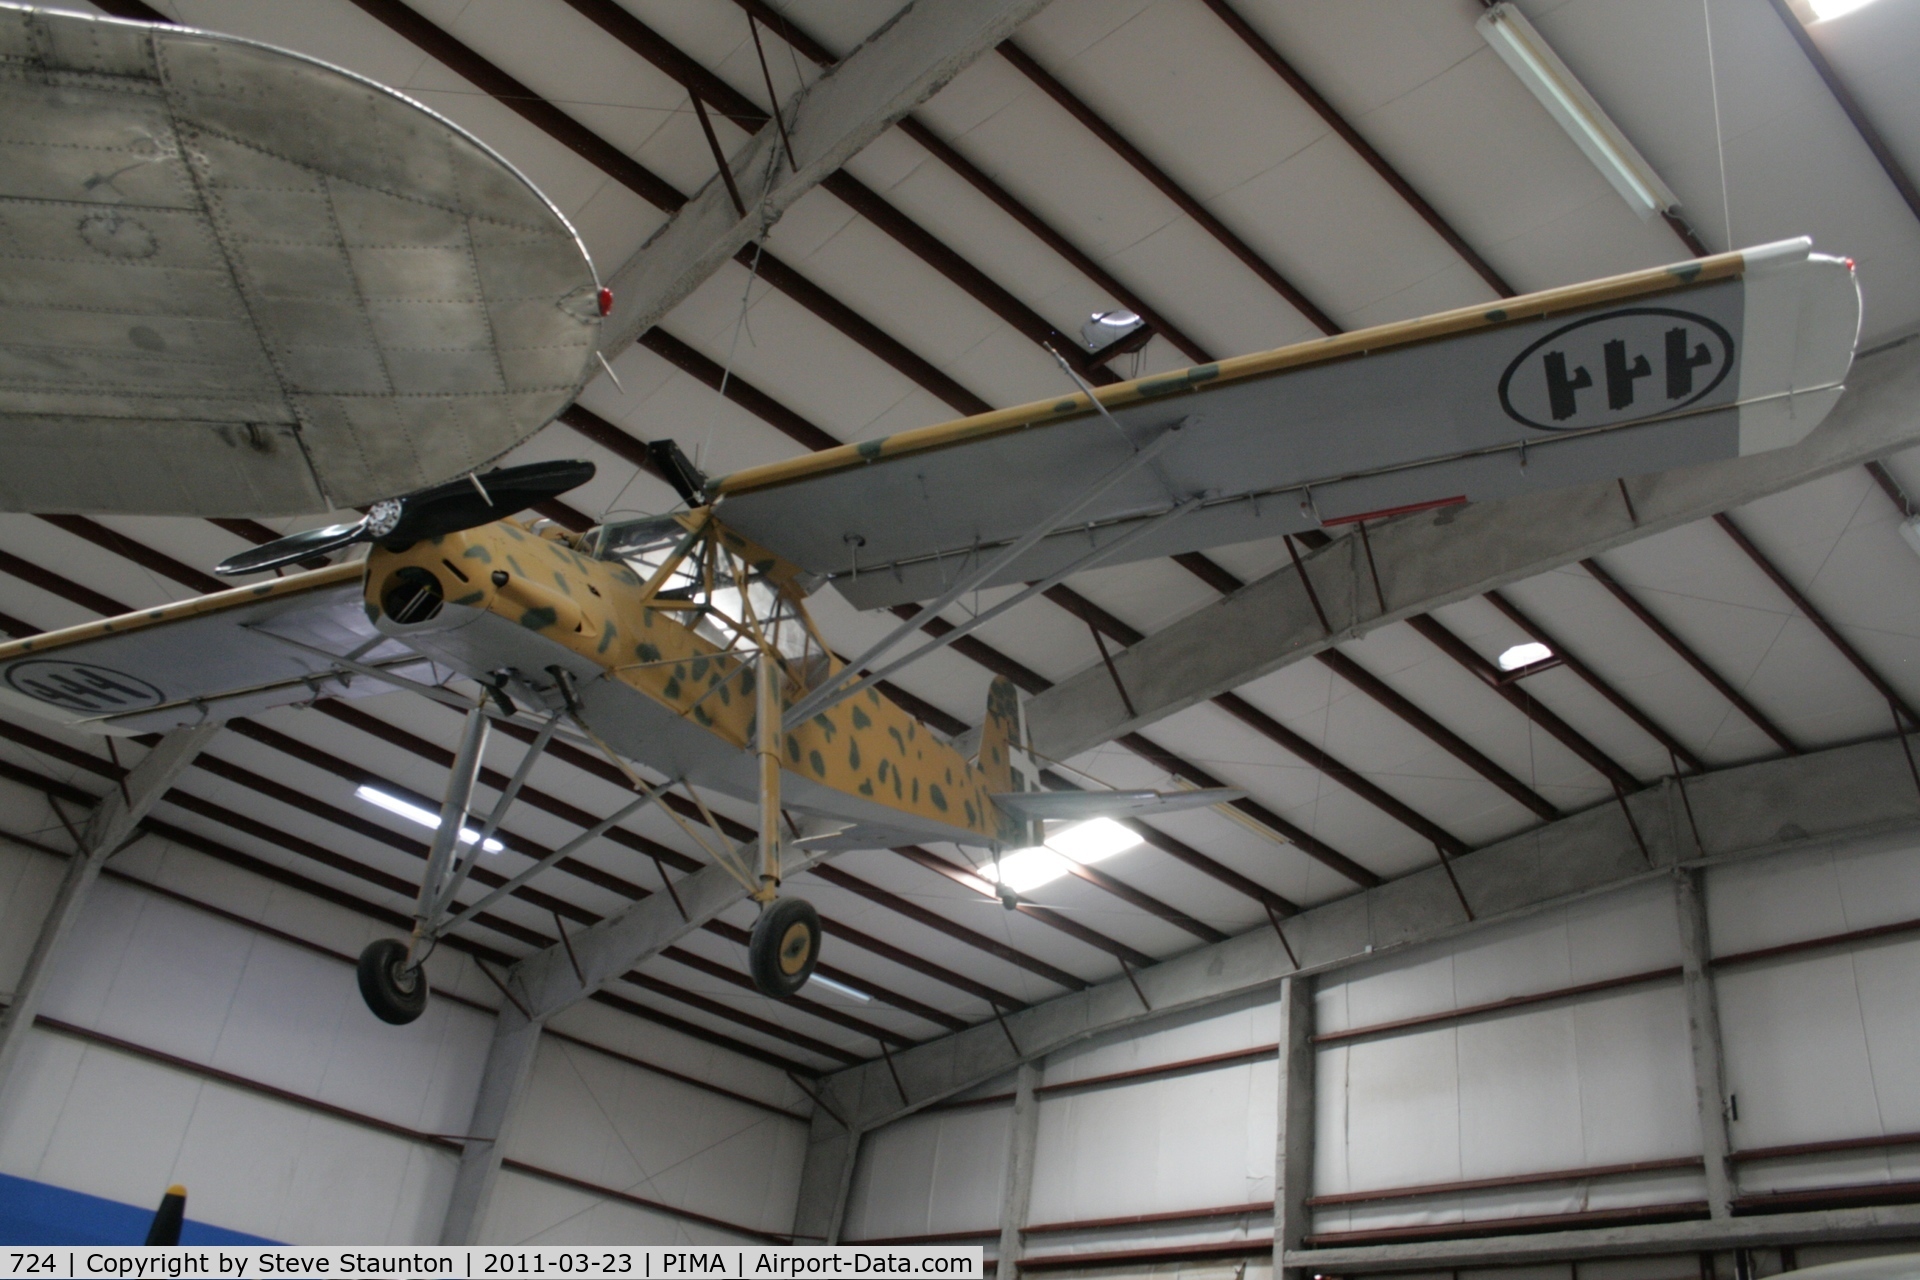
<point x="1705" y="360"/>
<point x="211" y="657"/>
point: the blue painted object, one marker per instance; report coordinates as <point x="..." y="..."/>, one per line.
<point x="33" y="1213"/>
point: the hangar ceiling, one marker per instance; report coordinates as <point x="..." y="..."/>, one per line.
<point x="1243" y="174"/>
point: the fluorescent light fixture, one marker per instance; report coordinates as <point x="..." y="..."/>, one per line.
<point x="1910" y="533"/>
<point x="425" y="817"/>
<point x="1529" y="57"/>
<point x="1824" y="9"/>
<point x="1083" y="842"/>
<point x="1104" y="328"/>
<point x="1523" y="655"/>
<point x="842" y="988"/>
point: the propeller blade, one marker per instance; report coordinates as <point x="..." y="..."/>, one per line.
<point x="295" y="546"/>
<point x="430" y="513"/>
<point x="168" y="1219"/>
<point x="464" y="504"/>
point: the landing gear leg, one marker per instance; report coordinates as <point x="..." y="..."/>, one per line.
<point x="392" y="981"/>
<point x="785" y="945"/>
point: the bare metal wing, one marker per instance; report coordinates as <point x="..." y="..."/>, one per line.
<point x="1664" y="368"/>
<point x="238" y="281"/>
<point x="209" y="658"/>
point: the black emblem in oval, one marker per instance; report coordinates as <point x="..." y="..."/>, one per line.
<point x="1616" y="367"/>
<point x="81" y="686"/>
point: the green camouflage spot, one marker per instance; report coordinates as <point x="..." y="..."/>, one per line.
<point x="538" y="619"/>
<point x="861" y="720"/>
<point x="647" y="652"/>
<point x="898" y="741"/>
<point x="916" y="791"/>
<point x="515" y="566"/>
<point x="1685" y="273"/>
<point x="826" y="726"/>
<point x="513" y="533"/>
<point x="472" y="597"/>
<point x="896" y="784"/>
<point x="746" y="680"/>
<point x="699" y="668"/>
<point x="873" y="696"/>
<point x="561" y="578"/>
<point x="1065" y="406"/>
<point x="606" y="637"/>
<point x="866" y="786"/>
<point x="949" y="775"/>
<point x="880" y="770"/>
<point x="911" y="726"/>
<point x="478" y="552"/>
<point x="1497" y="314"/>
<point x="793" y="748"/>
<point x="870" y="449"/>
<point x="968" y="805"/>
<point x="939" y="797"/>
<point x="818" y="762"/>
<point x="671" y="689"/>
<point x="853" y="754"/>
<point x="726" y="696"/>
<point x="700" y="714"/>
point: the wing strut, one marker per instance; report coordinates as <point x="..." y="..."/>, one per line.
<point x="837" y="691"/>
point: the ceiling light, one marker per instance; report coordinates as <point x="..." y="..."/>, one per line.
<point x="425" y="817"/>
<point x="841" y="987"/>
<point x="1104" y="328"/>
<point x="1524" y="655"/>
<point x="1568" y="102"/>
<point x="1083" y="842"/>
<point x="1824" y="9"/>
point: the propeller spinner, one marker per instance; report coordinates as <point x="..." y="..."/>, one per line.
<point x="444" y="508"/>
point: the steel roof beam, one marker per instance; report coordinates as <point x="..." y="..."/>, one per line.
<point x="1424" y="564"/>
<point x="1862" y="123"/>
<point x="1272" y="730"/>
<point x="1569" y="737"/>
<point x="1035" y="683"/>
<point x="1686" y="653"/>
<point x="1361" y="147"/>
<point x="1392" y="700"/>
<point x="1896" y="701"/>
<point x="1679" y="750"/>
<point x="1860" y="791"/>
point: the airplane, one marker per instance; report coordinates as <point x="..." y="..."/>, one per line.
<point x="682" y="643"/>
<point x="219" y="308"/>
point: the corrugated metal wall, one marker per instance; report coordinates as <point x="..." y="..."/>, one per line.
<point x="181" y="1045"/>
<point x="1547" y="1058"/>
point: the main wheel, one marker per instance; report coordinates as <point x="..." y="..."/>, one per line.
<point x="785" y="947"/>
<point x="394" y="992"/>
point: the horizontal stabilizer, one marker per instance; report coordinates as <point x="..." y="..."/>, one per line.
<point x="1075" y="806"/>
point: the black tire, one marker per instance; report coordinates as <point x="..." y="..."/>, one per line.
<point x="395" y="993"/>
<point x="785" y="947"/>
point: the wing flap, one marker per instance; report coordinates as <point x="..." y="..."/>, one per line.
<point x="210" y="657"/>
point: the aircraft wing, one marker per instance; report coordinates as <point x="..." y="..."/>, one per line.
<point x="1669" y="367"/>
<point x="241" y="282"/>
<point x="212" y="657"/>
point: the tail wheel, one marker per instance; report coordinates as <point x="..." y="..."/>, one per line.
<point x="394" y="992"/>
<point x="785" y="947"/>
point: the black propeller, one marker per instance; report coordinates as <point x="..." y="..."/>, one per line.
<point x="167" y="1221"/>
<point x="445" y="508"/>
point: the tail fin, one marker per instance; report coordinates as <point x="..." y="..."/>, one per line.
<point x="1004" y="758"/>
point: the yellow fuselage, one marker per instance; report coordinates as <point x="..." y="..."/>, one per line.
<point x="666" y="696"/>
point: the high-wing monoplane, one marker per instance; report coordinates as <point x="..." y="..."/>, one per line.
<point x="682" y="644"/>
